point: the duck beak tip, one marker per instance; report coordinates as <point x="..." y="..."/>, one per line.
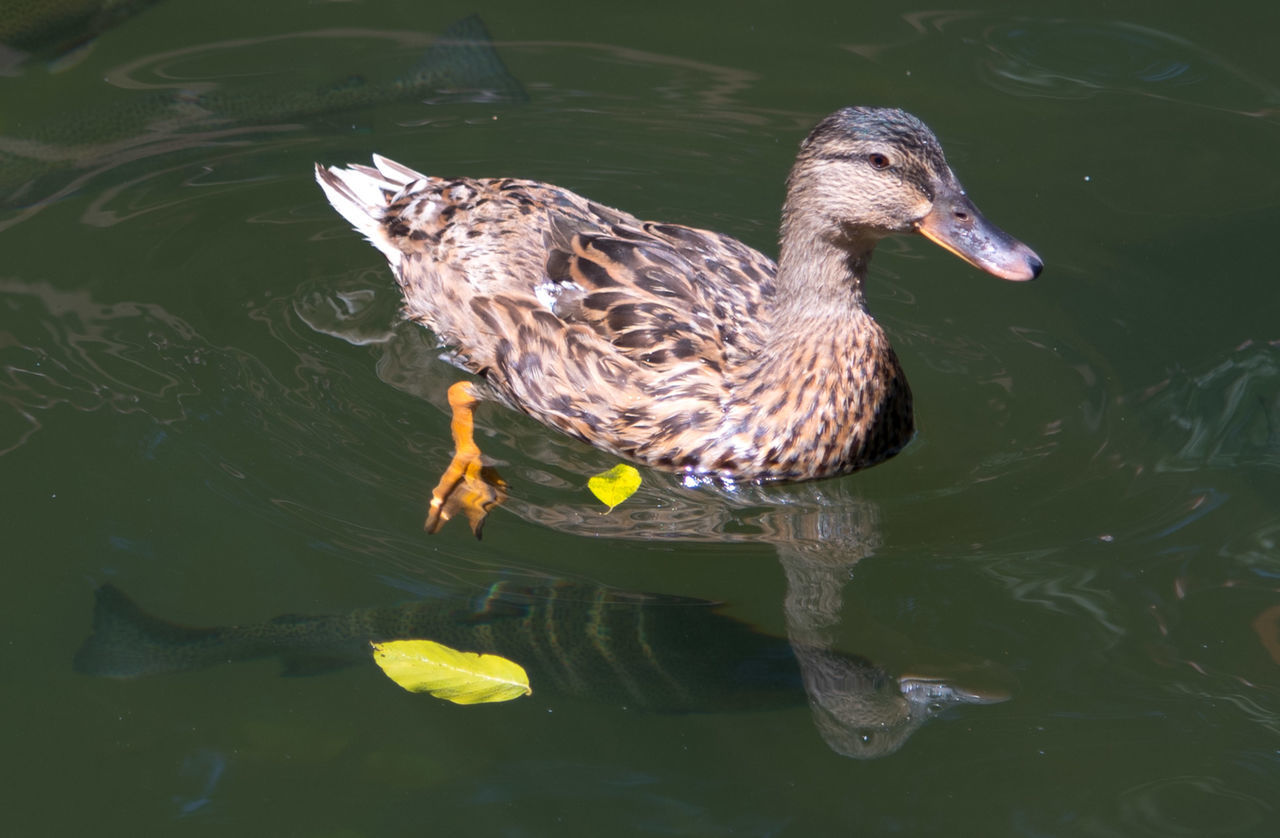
<point x="956" y="225"/>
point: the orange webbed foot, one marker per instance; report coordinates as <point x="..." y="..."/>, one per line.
<point x="467" y="484"/>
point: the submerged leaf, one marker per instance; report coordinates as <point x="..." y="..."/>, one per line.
<point x="424" y="666"/>
<point x="614" y="486"/>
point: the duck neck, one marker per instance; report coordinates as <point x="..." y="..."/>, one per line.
<point x="826" y="373"/>
<point x="819" y="281"/>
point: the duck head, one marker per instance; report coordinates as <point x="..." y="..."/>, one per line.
<point x="866" y="173"/>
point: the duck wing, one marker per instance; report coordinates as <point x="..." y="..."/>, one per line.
<point x="620" y="332"/>
<point x="661" y="294"/>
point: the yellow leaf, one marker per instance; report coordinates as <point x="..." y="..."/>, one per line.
<point x="424" y="666"/>
<point x="614" y="486"/>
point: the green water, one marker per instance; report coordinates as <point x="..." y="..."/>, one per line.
<point x="205" y="399"/>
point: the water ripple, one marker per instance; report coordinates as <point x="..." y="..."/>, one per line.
<point x="1192" y="805"/>
<point x="63" y="348"/>
<point x="1225" y="416"/>
<point x="1062" y="58"/>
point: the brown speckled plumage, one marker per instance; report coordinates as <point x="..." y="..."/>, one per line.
<point x="681" y="348"/>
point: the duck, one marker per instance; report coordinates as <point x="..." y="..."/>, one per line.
<point x="677" y="348"/>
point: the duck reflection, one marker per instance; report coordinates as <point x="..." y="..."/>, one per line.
<point x="860" y="709"/>
<point x="819" y="532"/>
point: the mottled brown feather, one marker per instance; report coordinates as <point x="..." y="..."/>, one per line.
<point x="673" y="346"/>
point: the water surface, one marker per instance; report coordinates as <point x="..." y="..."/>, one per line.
<point x="206" y="398"/>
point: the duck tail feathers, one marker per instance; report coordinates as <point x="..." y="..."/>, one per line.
<point x="361" y="195"/>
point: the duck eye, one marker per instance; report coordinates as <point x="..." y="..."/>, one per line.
<point x="878" y="160"/>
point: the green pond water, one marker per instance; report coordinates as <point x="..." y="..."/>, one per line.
<point x="207" y="400"/>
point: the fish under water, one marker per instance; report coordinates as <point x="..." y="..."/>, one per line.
<point x="53" y="29"/>
<point x="656" y="652"/>
<point x="650" y="651"/>
<point x="461" y="65"/>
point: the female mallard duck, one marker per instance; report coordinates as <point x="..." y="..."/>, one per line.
<point x="679" y="348"/>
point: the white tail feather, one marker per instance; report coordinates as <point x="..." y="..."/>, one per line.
<point x="396" y="172"/>
<point x="361" y="194"/>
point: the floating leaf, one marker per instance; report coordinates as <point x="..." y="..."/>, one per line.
<point x="424" y="666"/>
<point x="614" y="486"/>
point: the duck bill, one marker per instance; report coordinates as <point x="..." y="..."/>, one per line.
<point x="955" y="224"/>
